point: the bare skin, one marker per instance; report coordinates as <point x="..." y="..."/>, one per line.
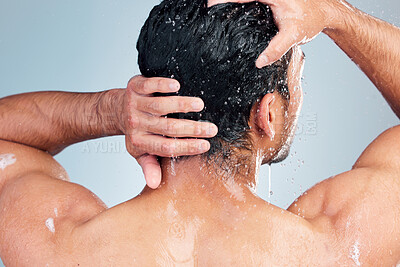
<point x="205" y="215"/>
<point x="77" y="117"/>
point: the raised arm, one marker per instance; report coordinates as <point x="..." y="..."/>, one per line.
<point x="51" y="121"/>
<point x="371" y="43"/>
<point x="357" y="211"/>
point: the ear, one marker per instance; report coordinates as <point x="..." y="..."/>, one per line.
<point x="265" y="116"/>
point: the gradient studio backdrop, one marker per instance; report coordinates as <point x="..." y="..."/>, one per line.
<point x="88" y="46"/>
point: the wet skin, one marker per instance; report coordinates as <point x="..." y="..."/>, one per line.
<point x="206" y="214"/>
<point x="203" y="215"/>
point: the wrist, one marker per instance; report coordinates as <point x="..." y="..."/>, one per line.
<point x="109" y="111"/>
<point x="337" y="14"/>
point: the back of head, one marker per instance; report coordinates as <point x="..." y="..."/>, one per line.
<point x="212" y="53"/>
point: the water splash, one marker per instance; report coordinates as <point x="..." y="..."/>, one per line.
<point x="50" y="225"/>
<point x="355" y="253"/>
<point x="173" y="161"/>
<point x="253" y="186"/>
<point x="7" y="160"/>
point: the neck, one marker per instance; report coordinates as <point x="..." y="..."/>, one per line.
<point x="196" y="178"/>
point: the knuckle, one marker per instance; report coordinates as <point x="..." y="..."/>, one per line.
<point x="155" y="122"/>
<point x="131" y="95"/>
<point x="141" y="86"/>
<point x="177" y="104"/>
<point x="132" y="83"/>
<point x="147" y="84"/>
<point x="181" y="104"/>
<point x="131" y="99"/>
<point x="166" y="148"/>
<point x="171" y="127"/>
<point x="134" y="121"/>
<point x="185" y="106"/>
<point x="159" y="84"/>
<point x="183" y="147"/>
<point x="153" y="106"/>
<point x="136" y="142"/>
<point x="198" y="129"/>
<point x="193" y="148"/>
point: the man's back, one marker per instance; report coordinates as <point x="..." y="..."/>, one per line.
<point x="339" y="221"/>
<point x="204" y="213"/>
<point x="257" y="235"/>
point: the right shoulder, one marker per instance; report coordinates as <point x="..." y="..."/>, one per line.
<point x="359" y="210"/>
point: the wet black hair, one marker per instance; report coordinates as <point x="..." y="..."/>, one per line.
<point x="212" y="53"/>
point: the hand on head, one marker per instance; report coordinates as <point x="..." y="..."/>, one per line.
<point x="147" y="129"/>
<point x="298" y="21"/>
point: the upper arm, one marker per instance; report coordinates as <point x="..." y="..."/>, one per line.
<point x="383" y="152"/>
<point x="39" y="208"/>
<point x="359" y="210"/>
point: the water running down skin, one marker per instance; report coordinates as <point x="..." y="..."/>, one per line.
<point x="196" y="217"/>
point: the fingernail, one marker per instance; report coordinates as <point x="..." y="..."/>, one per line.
<point x="262" y="61"/>
<point x="174" y="86"/>
<point x="197" y="105"/>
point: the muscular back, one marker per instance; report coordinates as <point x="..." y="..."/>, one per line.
<point x="152" y="234"/>
<point x="350" y="219"/>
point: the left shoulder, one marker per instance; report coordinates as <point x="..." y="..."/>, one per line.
<point x="39" y="206"/>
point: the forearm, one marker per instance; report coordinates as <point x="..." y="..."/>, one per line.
<point x="51" y="121"/>
<point x="372" y="44"/>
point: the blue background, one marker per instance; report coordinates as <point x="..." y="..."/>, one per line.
<point x="88" y="46"/>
